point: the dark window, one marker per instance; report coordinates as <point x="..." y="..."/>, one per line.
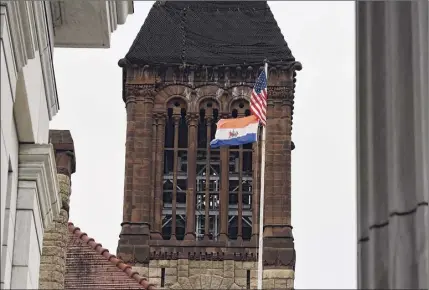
<point x="175" y="171"/>
<point x="162" y="277"/>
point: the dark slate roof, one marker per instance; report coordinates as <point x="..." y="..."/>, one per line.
<point x="209" y="33"/>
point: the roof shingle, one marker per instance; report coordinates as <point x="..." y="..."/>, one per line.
<point x="209" y="33"/>
<point x="90" y="266"/>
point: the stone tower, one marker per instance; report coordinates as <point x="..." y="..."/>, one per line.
<point x="190" y="217"/>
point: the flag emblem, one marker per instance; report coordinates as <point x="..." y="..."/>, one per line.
<point x="233" y="134"/>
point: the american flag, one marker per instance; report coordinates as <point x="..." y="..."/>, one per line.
<point x="258" y="100"/>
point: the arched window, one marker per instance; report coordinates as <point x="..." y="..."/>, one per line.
<point x="208" y="174"/>
<point x="175" y="171"/>
<point x="240" y="182"/>
<point x="187" y="155"/>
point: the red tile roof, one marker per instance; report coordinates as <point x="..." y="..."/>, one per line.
<point x="90" y="266"/>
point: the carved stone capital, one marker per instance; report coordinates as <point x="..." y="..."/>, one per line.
<point x="160" y="118"/>
<point x="192" y="119"/>
<point x="176" y="119"/>
<point x="139" y="93"/>
<point x="209" y="120"/>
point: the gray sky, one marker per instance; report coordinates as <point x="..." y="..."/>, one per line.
<point x="322" y="36"/>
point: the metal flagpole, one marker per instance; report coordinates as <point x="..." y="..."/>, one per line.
<point x="261" y="202"/>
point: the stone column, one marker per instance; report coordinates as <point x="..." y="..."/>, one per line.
<point x="53" y="261"/>
<point x="176" y="120"/>
<point x="159" y="173"/>
<point x="135" y="232"/>
<point x="153" y="173"/>
<point x="392" y="144"/>
<point x="224" y="189"/>
<point x="192" y="172"/>
<point x="209" y="119"/>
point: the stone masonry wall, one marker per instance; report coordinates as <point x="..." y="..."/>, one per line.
<point x="53" y="261"/>
<point x="190" y="274"/>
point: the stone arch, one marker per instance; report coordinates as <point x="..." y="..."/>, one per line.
<point x="204" y="101"/>
<point x="167" y="93"/>
<point x="241" y="93"/>
<point x="208" y="91"/>
<point x="172" y="101"/>
<point x="176" y="105"/>
<point x="240" y="104"/>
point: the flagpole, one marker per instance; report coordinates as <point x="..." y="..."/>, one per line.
<point x="261" y="202"/>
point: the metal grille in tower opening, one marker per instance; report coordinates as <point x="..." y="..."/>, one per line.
<point x="208" y="174"/>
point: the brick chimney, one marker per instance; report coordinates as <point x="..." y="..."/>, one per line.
<point x="53" y="260"/>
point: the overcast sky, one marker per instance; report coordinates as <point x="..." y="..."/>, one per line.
<point x="322" y="36"/>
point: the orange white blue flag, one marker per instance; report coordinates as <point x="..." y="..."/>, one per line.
<point x="233" y="132"/>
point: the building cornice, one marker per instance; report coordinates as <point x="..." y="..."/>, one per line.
<point x="88" y="24"/>
<point x="26" y="28"/>
<point x="37" y="163"/>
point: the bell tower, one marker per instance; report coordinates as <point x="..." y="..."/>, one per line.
<point x="191" y="213"/>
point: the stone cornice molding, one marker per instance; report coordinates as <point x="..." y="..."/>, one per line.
<point x="21" y="30"/>
<point x="37" y="163"/>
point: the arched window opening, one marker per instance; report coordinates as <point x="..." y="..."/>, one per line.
<point x="240" y="182"/>
<point x="207" y="174"/>
<point x="190" y="133"/>
<point x="175" y="171"/>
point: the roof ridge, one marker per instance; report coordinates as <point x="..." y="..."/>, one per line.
<point x="97" y="247"/>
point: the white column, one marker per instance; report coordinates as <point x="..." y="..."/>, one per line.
<point x="28" y="238"/>
<point x="37" y="203"/>
<point x="393" y="144"/>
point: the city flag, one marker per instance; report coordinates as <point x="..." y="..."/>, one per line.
<point x="233" y="132"/>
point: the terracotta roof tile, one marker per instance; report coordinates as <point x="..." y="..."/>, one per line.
<point x="89" y="265"/>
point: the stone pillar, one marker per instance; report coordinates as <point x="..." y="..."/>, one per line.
<point x="279" y="252"/>
<point x="153" y="174"/>
<point x="159" y="172"/>
<point x="53" y="261"/>
<point x="176" y="120"/>
<point x="392" y="144"/>
<point x="192" y="172"/>
<point x="224" y="189"/>
<point x="137" y="192"/>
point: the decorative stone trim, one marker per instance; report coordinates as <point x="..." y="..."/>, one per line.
<point x="37" y="163"/>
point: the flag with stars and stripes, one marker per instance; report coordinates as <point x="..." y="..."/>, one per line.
<point x="258" y="100"/>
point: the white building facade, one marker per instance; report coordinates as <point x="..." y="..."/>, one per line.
<point x="29" y="32"/>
